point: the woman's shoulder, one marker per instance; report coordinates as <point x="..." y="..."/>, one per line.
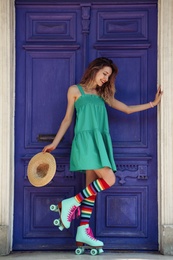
<point x="73" y="88"/>
<point x="73" y="91"/>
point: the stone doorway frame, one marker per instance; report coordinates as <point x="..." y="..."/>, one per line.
<point x="164" y="134"/>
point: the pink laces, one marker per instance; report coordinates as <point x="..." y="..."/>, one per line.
<point x="90" y="233"/>
<point x="71" y="214"/>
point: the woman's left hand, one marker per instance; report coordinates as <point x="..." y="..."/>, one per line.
<point x="157" y="97"/>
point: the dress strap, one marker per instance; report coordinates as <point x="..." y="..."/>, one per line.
<point x="81" y="89"/>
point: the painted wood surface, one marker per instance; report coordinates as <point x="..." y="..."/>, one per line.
<point x="54" y="43"/>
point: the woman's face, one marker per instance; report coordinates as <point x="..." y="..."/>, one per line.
<point x="103" y="75"/>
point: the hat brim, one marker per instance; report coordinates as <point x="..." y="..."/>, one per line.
<point x="39" y="178"/>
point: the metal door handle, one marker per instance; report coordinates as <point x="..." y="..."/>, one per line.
<point x="45" y="137"/>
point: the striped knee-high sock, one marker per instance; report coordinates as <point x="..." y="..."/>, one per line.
<point x="92" y="189"/>
<point x="87" y="206"/>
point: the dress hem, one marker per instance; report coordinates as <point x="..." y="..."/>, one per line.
<point x="83" y="170"/>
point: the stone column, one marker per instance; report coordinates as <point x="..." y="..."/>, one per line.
<point x="7" y="50"/>
<point x="165" y="126"/>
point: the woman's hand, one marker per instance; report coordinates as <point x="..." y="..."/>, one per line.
<point x="49" y="148"/>
<point x="157" y="97"/>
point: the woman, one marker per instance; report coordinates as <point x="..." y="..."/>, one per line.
<point x="91" y="147"/>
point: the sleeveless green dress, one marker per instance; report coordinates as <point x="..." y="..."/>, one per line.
<point x="91" y="146"/>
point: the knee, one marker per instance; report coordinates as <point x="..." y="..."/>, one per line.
<point x="111" y="178"/>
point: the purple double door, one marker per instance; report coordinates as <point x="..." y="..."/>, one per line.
<point x="54" y="43"/>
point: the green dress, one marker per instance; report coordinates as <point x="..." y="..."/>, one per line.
<point x="91" y="146"/>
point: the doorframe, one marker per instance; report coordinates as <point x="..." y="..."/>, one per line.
<point x="164" y="134"/>
<point x="7" y="108"/>
<point x="165" y="127"/>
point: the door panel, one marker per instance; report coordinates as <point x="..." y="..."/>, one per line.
<point x="44" y="70"/>
<point x="54" y="44"/>
<point x="124" y="35"/>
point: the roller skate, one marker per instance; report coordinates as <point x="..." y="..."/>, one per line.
<point x="86" y="240"/>
<point x="68" y="209"/>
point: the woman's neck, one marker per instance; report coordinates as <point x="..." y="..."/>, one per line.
<point x="90" y="89"/>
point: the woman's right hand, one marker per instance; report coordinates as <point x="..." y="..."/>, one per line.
<point x="49" y="148"/>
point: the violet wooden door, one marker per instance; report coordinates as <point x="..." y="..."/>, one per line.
<point x="54" y="43"/>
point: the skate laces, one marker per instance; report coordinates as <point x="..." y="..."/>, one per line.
<point x="90" y="233"/>
<point x="72" y="212"/>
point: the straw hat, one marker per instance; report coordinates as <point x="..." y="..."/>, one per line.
<point x="41" y="169"/>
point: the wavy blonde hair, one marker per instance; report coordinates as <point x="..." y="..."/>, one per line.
<point x="107" y="90"/>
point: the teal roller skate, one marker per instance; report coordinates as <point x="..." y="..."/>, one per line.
<point x="68" y="209"/>
<point x="86" y="240"/>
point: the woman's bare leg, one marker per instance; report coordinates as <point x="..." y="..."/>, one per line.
<point x="107" y="174"/>
<point x="90" y="176"/>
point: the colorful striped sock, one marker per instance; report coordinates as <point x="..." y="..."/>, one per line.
<point x="92" y="189"/>
<point x="87" y="206"/>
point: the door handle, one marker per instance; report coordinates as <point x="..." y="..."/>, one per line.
<point x="45" y="137"/>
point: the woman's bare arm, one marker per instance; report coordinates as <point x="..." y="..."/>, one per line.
<point x="116" y="104"/>
<point x="71" y="96"/>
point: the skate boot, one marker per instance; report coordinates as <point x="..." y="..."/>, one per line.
<point x="68" y="209"/>
<point x="86" y="240"/>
